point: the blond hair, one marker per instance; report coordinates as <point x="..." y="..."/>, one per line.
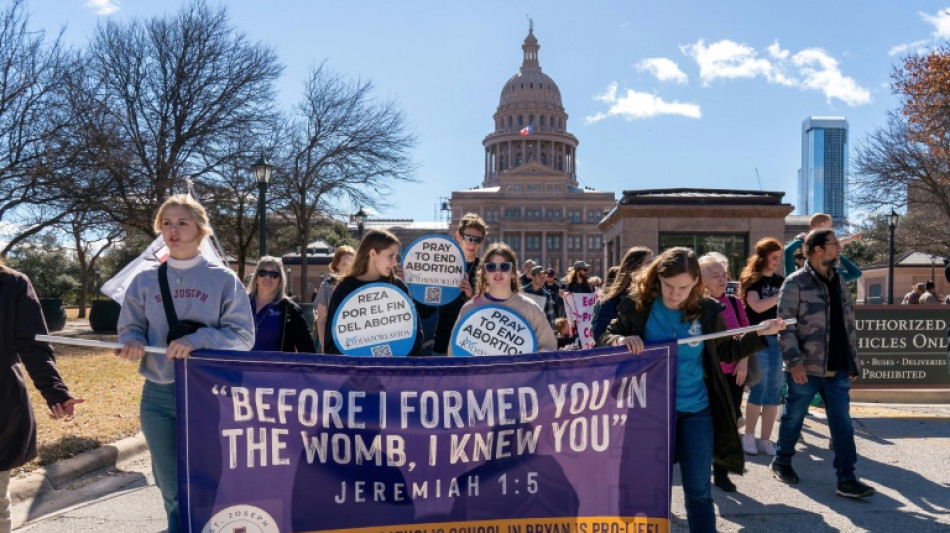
<point x="269" y="260"/>
<point x="198" y="213"/>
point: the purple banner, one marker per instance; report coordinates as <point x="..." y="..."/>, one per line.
<point x="577" y="440"/>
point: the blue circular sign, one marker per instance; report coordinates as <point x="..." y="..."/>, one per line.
<point x="493" y="330"/>
<point x="376" y="320"/>
<point x="434" y="266"/>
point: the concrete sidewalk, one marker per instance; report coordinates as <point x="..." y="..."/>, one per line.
<point x="903" y="452"/>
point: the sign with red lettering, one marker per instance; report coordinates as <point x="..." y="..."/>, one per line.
<point x="580" y="312"/>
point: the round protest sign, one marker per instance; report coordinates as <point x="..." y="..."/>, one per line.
<point x="433" y="266"/>
<point x="493" y="330"/>
<point x="376" y="320"/>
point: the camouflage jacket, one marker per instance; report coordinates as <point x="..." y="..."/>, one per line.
<point x="804" y="297"/>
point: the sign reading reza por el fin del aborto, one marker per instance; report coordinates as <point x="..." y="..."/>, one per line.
<point x="902" y="345"/>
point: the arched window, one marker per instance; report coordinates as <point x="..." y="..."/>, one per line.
<point x="520" y="121"/>
<point x="531" y="119"/>
<point x="542" y="121"/>
<point x="552" y="121"/>
<point x="509" y="121"/>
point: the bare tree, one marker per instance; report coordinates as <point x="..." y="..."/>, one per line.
<point x="92" y="234"/>
<point x="177" y="87"/>
<point x="340" y="145"/>
<point x="31" y="120"/>
<point x="893" y="170"/>
<point x="232" y="195"/>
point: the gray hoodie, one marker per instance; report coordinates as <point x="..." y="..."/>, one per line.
<point x="203" y="292"/>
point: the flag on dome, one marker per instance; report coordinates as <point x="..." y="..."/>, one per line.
<point x="527" y="130"/>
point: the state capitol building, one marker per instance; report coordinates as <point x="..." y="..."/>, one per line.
<point x="531" y="199"/>
<point x="530" y="196"/>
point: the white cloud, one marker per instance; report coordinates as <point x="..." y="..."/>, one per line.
<point x="726" y="59"/>
<point x="664" y="69"/>
<point x="941" y="24"/>
<point x="636" y="105"/>
<point x="820" y="72"/>
<point x="103" y="7"/>
<point x="917" y="46"/>
<point x="812" y="69"/>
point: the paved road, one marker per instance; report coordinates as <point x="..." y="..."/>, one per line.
<point x="904" y="452"/>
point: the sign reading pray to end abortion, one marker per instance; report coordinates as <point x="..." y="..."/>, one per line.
<point x="493" y="330"/>
<point x="434" y="267"/>
<point x="376" y="320"/>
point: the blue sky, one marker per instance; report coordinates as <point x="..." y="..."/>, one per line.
<point x="660" y="94"/>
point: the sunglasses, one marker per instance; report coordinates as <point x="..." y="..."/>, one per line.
<point x="493" y="267"/>
<point x="473" y="238"/>
<point x="269" y="274"/>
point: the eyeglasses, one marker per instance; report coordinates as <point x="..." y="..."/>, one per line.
<point x="492" y="267"/>
<point x="269" y="274"/>
<point x="473" y="238"/>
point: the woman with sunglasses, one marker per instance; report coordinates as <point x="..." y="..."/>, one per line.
<point x="279" y="324"/>
<point x="375" y="262"/>
<point x="670" y="305"/>
<point x="498" y="285"/>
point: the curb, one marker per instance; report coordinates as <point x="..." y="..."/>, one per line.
<point x="55" y="476"/>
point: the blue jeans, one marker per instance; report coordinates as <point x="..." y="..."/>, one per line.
<point x="836" y="391"/>
<point x="769" y="390"/>
<point x="694" y="452"/>
<point x="158" y="425"/>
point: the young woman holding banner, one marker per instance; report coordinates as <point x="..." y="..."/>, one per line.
<point x="375" y="262"/>
<point x="498" y="284"/>
<point x="212" y="311"/>
<point x="670" y="305"/>
<point x="759" y="287"/>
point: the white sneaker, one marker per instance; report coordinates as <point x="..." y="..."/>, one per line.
<point x="766" y="447"/>
<point x="740" y="422"/>
<point x="748" y="444"/>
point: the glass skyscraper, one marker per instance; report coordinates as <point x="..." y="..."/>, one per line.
<point x="823" y="176"/>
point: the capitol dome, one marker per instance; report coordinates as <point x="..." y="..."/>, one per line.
<point x="530" y="86"/>
<point x="530" y="123"/>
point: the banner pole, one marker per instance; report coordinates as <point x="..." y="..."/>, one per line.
<point x="89" y="343"/>
<point x="731" y="332"/>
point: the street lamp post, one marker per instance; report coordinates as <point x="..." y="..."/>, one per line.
<point x="891" y="223"/>
<point x="360" y="218"/>
<point x="262" y="171"/>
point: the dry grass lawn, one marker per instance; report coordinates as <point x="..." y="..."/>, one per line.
<point x="112" y="389"/>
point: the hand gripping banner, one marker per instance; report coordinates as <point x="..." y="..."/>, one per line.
<point x="578" y="441"/>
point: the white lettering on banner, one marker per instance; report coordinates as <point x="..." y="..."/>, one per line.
<point x="495" y="423"/>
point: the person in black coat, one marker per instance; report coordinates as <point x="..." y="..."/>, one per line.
<point x="20" y="321"/>
<point x="279" y="324"/>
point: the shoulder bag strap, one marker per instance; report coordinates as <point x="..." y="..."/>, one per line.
<point x="170" y="315"/>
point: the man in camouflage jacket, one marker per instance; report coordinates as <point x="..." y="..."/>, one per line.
<point x="820" y="355"/>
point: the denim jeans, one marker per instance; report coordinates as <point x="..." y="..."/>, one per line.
<point x="158" y="425"/>
<point x="694" y="452"/>
<point x="836" y="391"/>
<point x="769" y="390"/>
